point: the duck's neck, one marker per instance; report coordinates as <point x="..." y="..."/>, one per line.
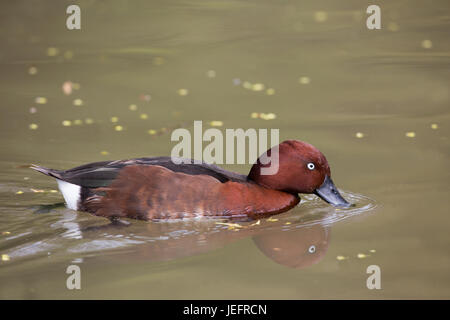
<point x="255" y="174"/>
<point x="274" y="181"/>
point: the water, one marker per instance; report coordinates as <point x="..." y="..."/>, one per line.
<point x="391" y="85"/>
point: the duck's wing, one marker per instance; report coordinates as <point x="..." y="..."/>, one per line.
<point x="101" y="174"/>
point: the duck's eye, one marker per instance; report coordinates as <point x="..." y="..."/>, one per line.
<point x="311" y="166"/>
<point x="312" y="249"/>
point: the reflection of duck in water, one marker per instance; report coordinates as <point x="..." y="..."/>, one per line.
<point x="295" y="247"/>
<point x="298" y="248"/>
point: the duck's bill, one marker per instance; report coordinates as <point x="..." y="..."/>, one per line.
<point x="329" y="193"/>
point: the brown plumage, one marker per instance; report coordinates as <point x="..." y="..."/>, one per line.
<point x="154" y="192"/>
<point x="157" y="188"/>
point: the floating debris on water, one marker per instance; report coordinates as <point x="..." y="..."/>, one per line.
<point x="183" y="92"/>
<point x="5" y="233"/>
<point x="272" y="220"/>
<point x="118" y="128"/>
<point x="247" y="85"/>
<point x="258" y="87"/>
<point x="132" y="107"/>
<point x="145" y="97"/>
<point x="68" y="55"/>
<point x="264" y="116"/>
<point x="53" y="191"/>
<point x="114" y="119"/>
<point x="32" y="71"/>
<point x="359" y="135"/>
<point x="434" y="126"/>
<point x="89" y="121"/>
<point x="33" y="126"/>
<point x="231" y="226"/>
<point x="211" y="74"/>
<point x="362" y="255"/>
<point x="372" y="250"/>
<point x="288" y="223"/>
<point x="341" y="258"/>
<point x="19" y="192"/>
<point x="320" y="16"/>
<point x="410" y="134"/>
<point x="33" y="110"/>
<point x="270" y="91"/>
<point x="216" y="123"/>
<point x="5" y="257"/>
<point x="427" y="44"/>
<point x="257" y="223"/>
<point x="143" y="116"/>
<point x="78" y="122"/>
<point x="236" y="81"/>
<point x="67" y="87"/>
<point x="67" y="123"/>
<point x="52" y="51"/>
<point x="152" y="131"/>
<point x="37" y="190"/>
<point x="304" y="80"/>
<point x="40" y="100"/>
<point x="104" y="153"/>
<point x="268" y="116"/>
<point x="78" y="102"/>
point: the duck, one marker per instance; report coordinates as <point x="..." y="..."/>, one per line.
<point x="159" y="188"/>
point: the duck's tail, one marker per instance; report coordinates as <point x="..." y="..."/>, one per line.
<point x="70" y="192"/>
<point x="49" y="172"/>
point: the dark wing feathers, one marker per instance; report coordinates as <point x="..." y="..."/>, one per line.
<point x="101" y="174"/>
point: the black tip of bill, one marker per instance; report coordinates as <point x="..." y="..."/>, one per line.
<point x="329" y="193"/>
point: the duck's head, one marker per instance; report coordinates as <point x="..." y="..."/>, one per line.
<point x="302" y="168"/>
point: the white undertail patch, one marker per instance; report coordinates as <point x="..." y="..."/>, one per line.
<point x="70" y="192"/>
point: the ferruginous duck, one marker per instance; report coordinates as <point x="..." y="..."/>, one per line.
<point x="158" y="188"/>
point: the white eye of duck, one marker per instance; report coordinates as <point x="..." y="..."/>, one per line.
<point x="311" y="166"/>
<point x="312" y="249"/>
